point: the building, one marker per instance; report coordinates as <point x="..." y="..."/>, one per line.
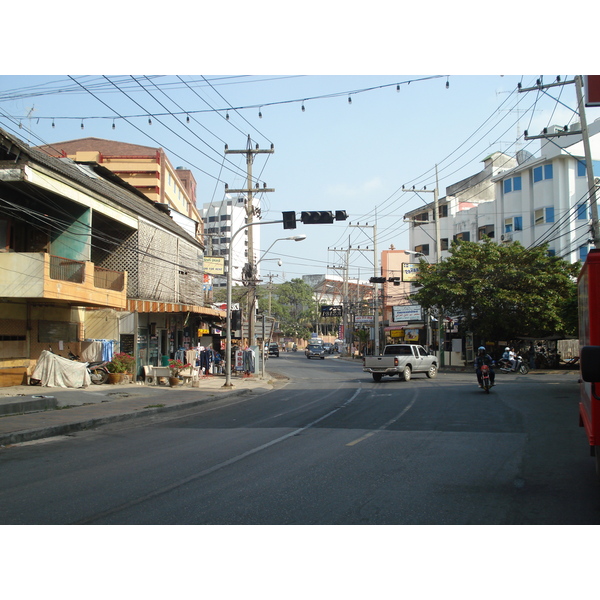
<point x="222" y="221"/>
<point x="87" y="258"/>
<point x="147" y="169"/>
<point x="529" y="199"/>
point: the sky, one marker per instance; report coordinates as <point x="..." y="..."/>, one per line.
<point x="359" y="139"/>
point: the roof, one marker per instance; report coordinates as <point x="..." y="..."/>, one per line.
<point x="112" y="188"/>
<point x="93" y="144"/>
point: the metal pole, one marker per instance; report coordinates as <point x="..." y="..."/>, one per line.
<point x="228" y="362"/>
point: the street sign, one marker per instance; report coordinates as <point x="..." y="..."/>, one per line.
<point x="407" y="312"/>
<point x="331" y="311"/>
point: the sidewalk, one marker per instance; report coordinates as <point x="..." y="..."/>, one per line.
<point x="59" y="411"/>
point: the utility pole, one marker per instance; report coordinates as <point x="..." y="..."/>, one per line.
<point x="589" y="167"/>
<point x="438" y="252"/>
<point x="250" y="214"/>
<point x="376" y="273"/>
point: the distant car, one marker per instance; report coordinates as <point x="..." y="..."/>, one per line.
<point x="274" y="349"/>
<point x="315" y="351"/>
<point x="328" y="347"/>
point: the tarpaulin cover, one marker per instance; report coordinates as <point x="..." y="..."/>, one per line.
<point x="55" y="371"/>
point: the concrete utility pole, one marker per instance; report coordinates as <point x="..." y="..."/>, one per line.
<point x="376" y="273"/>
<point x="589" y="167"/>
<point x="250" y="214"/>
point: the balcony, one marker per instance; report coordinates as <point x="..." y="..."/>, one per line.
<point x="37" y="275"/>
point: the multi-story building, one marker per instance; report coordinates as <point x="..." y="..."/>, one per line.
<point x="85" y="257"/>
<point x="222" y="221"/>
<point x="147" y="169"/>
<point x="530" y="199"/>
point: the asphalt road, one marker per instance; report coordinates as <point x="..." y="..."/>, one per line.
<point x="327" y="446"/>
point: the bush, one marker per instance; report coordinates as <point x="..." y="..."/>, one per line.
<point x="121" y="363"/>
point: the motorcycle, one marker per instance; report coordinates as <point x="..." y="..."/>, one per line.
<point x="486" y="382"/>
<point x="97" y="369"/>
<point x="520" y="366"/>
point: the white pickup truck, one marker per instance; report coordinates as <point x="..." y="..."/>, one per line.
<point x="402" y="360"/>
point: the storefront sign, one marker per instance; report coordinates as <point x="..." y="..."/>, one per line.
<point x="215" y="265"/>
<point x="407" y="312"/>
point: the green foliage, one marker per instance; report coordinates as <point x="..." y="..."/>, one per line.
<point x="121" y="363"/>
<point x="502" y="291"/>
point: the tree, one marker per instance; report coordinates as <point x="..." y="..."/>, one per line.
<point x="293" y="305"/>
<point x="502" y="291"/>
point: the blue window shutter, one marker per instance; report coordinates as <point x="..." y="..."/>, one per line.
<point x="537" y="174"/>
<point x="548" y="171"/>
<point x="580" y="168"/>
<point x="550" y="214"/>
<point x="507" y="186"/>
<point x="583" y="252"/>
<point x="518" y="223"/>
<point x="517" y="184"/>
<point x="582" y="211"/>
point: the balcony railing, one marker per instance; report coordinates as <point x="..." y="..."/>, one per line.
<point x="109" y="280"/>
<point x="65" y="269"/>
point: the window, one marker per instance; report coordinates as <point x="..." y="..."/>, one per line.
<point x="513" y="224"/>
<point x="544" y="215"/>
<point x="444" y="244"/>
<point x="485" y="231"/>
<point x="443" y="211"/>
<point x="464" y="236"/>
<point x="423" y="249"/>
<point x="421" y="218"/>
<point x="583" y="252"/>
<point x="582" y="212"/>
<point x="543" y="172"/>
<point x="512" y="185"/>
<point x="581" y="170"/>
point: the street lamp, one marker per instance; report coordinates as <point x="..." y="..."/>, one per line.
<point x="228" y="361"/>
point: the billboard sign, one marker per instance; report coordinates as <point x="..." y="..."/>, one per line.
<point x="215" y="265"/>
<point x="410" y="271"/>
<point x="407" y="312"/>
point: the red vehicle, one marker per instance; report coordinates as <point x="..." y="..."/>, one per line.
<point x="588" y="291"/>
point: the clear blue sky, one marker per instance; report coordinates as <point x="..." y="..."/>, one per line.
<point x="334" y="155"/>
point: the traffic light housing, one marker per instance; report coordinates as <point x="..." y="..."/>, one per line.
<point x="312" y="217"/>
<point x="236" y="320"/>
<point x="289" y="219"/>
<point x="377" y="280"/>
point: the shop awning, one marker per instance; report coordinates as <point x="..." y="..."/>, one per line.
<point x="148" y="306"/>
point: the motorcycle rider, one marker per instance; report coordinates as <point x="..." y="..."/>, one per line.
<point x="509" y="358"/>
<point x="483" y="358"/>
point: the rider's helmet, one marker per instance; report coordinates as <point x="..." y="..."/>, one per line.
<point x="481" y="350"/>
<point x="507" y="349"/>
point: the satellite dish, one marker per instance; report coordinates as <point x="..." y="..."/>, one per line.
<point x="523" y="156"/>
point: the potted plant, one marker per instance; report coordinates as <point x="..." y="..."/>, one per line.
<point x="175" y="367"/>
<point x="121" y="363"/>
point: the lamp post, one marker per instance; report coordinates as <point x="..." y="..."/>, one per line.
<point x="228" y="361"/>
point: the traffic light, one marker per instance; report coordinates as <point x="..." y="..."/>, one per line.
<point x="341" y="215"/>
<point x="289" y="219"/>
<point x="377" y="280"/>
<point x="236" y="320"/>
<point x="312" y="217"/>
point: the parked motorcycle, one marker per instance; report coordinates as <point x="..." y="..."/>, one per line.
<point x="520" y="366"/>
<point x="97" y="369"/>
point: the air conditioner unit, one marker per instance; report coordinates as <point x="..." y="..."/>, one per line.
<point x="507" y="237"/>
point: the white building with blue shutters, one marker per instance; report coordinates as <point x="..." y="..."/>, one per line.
<point x="529" y="199"/>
